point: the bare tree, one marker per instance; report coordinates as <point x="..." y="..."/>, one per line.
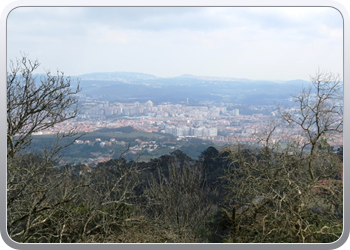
<point x="179" y="201"/>
<point x="111" y="201"/>
<point x="35" y="103"/>
<point x="288" y="190"/>
<point x="320" y="112"/>
<point x="36" y="191"/>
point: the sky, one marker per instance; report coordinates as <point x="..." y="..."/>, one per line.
<point x="259" y="43"/>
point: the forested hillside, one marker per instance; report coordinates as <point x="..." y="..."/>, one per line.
<point x="174" y="198"/>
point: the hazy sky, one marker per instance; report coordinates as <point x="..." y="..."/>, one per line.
<point x="272" y="43"/>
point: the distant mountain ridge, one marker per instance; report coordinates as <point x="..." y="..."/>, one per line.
<point x="115" y="76"/>
<point x="134" y="86"/>
<point x="136" y="76"/>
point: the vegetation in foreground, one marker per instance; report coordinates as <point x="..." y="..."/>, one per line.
<point x="270" y="193"/>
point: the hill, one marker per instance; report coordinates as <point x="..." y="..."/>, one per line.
<point x="128" y="87"/>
